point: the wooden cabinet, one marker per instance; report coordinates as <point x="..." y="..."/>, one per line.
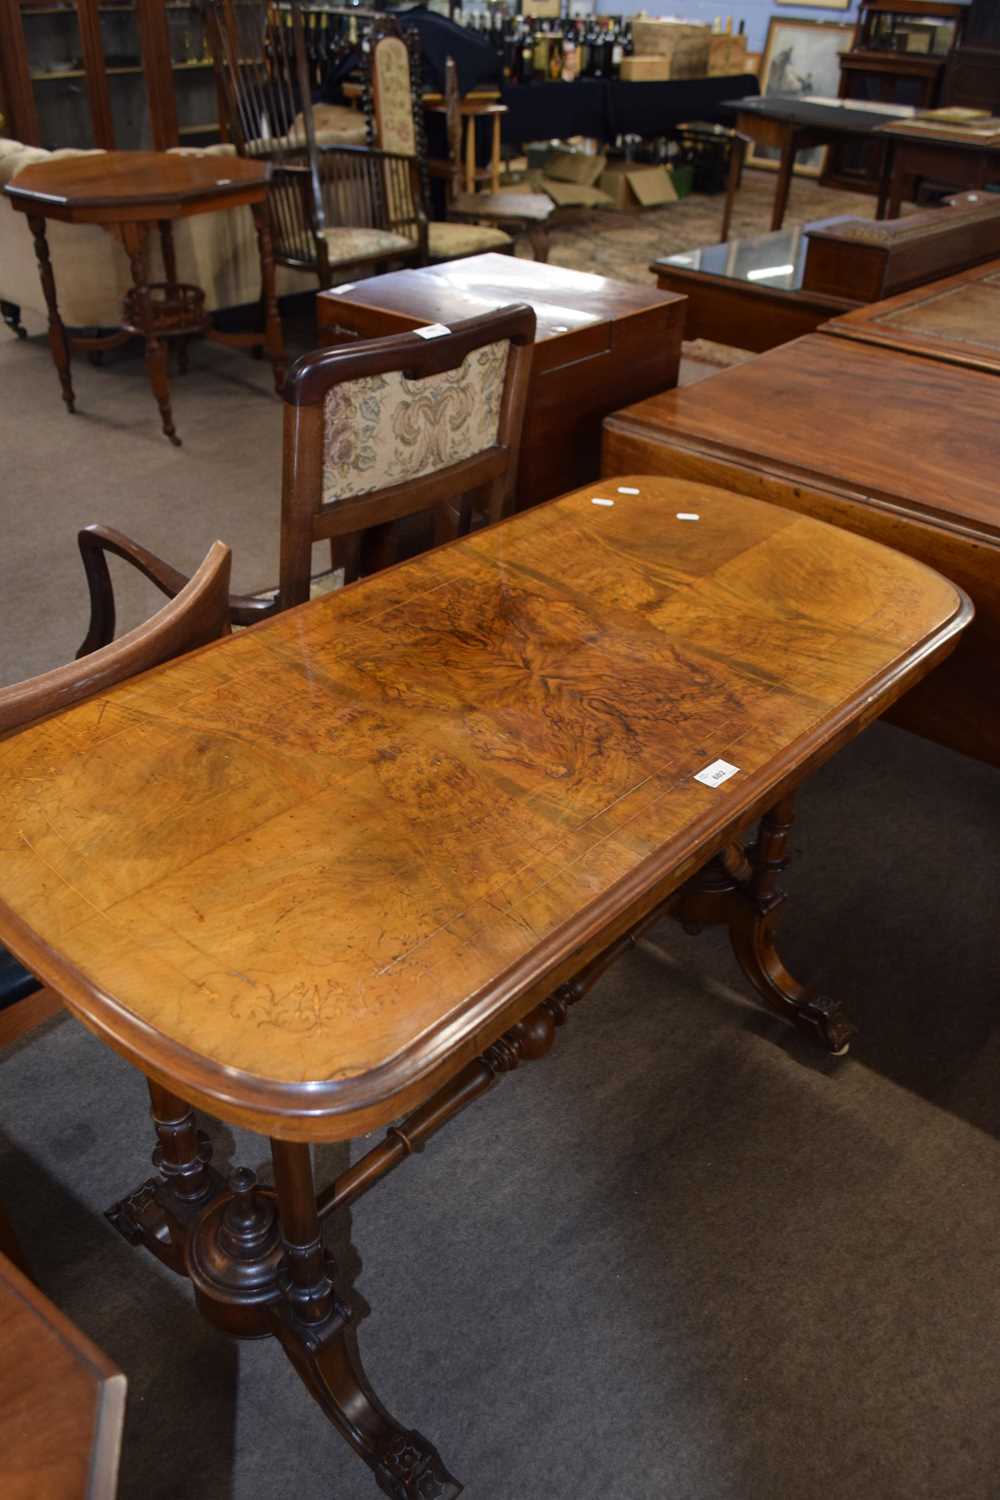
<point x="126" y="74"/>
<point x="899" y="57"/>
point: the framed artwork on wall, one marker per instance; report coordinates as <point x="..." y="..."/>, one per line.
<point x="801" y="60"/>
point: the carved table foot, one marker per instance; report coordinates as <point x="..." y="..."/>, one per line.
<point x="742" y="891"/>
<point x="312" y="1325"/>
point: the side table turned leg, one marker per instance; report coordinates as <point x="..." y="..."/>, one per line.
<point x="312" y="1325"/>
<point x="134" y="238"/>
<point x="58" y="341"/>
<point x="743" y="891"/>
<point x="274" y="342"/>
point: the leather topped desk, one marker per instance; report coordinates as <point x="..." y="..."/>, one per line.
<point x="956" y="320"/>
<point x="599" y="345"/>
<point x="364" y="858"/>
<point x="893" y="446"/>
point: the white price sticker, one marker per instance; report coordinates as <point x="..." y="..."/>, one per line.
<point x="688" y="515"/>
<point x="432" y="331"/>
<point x="598" y="501"/>
<point x="626" y="489"/>
<point x="715" y="774"/>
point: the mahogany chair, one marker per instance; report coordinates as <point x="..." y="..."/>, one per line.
<point x="393" y="427"/>
<point x="198" y="612"/>
<point x="334" y="205"/>
<point x="395" y="115"/>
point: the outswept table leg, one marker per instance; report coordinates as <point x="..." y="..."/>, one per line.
<point x="313" y="1326"/>
<point x="743" y="891"/>
<point x="58" y="339"/>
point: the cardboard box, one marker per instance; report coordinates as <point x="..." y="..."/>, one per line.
<point x="644" y="69"/>
<point x="683" y="43"/>
<point x="726" y="54"/>
<point x="630" y="185"/>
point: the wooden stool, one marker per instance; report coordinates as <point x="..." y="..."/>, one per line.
<point x="472" y="110"/>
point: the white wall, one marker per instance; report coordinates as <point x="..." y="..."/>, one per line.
<point x="756" y="13"/>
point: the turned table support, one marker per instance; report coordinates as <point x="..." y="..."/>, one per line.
<point x="58" y="339"/>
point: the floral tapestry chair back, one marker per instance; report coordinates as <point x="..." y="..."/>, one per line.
<point x="392" y="102"/>
<point x="398" y="426"/>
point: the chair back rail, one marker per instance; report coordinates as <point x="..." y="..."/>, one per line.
<point x="367" y="444"/>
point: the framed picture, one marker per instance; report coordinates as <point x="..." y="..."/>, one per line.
<point x="801" y="60"/>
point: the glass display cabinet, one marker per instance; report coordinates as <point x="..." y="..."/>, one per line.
<point x="130" y="74"/>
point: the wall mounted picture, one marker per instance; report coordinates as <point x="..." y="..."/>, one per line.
<point x="801" y="60"/>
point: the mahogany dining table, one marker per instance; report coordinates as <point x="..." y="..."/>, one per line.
<point x="346" y="869"/>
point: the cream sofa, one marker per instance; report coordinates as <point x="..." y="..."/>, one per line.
<point x="217" y="252"/>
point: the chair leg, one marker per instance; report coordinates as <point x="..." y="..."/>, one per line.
<point x="312" y="1325"/>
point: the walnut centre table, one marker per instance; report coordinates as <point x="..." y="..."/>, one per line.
<point x="128" y="192"/>
<point x="346" y="869"/>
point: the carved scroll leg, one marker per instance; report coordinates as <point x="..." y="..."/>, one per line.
<point x="754" y="917"/>
<point x="58" y="340"/>
<point x="744" y="893"/>
<point x="159" y="1213"/>
<point x="313" y="1328"/>
<point x="274" y="342"/>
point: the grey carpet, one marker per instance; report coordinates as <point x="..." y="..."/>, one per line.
<point x="681" y="1259"/>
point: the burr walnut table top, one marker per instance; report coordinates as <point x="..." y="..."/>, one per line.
<point x="305" y="874"/>
<point x="956" y="320"/>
